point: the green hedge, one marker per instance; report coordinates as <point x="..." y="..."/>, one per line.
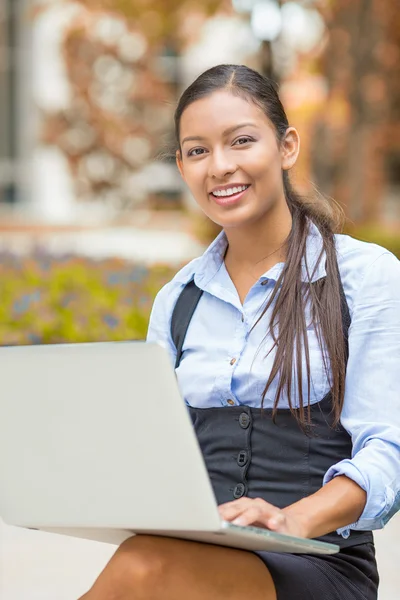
<point x="55" y="300"/>
<point x="369" y="233"/>
<point x="48" y="300"/>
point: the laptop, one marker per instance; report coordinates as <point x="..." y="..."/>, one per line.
<point x="97" y="442"/>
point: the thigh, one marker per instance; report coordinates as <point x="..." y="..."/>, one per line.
<point x="155" y="568"/>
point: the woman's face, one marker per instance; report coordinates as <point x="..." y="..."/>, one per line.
<point x="231" y="160"/>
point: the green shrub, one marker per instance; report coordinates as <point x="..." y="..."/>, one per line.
<point x="46" y="300"/>
<point x="377" y="235"/>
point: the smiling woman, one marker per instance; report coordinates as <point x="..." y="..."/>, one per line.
<point x="236" y="140"/>
<point x="281" y="366"/>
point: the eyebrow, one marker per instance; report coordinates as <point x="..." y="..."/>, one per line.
<point x="199" y="138"/>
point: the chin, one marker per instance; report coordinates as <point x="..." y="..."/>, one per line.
<point x="235" y="220"/>
<point x="232" y="224"/>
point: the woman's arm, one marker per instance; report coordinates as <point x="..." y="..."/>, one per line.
<point x="337" y="504"/>
<point x="371" y="411"/>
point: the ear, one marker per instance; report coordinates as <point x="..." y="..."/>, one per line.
<point x="179" y="163"/>
<point x="290" y="146"/>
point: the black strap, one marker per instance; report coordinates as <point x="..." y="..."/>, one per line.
<point x="189" y="299"/>
<point x="346" y="318"/>
<point x="182" y="315"/>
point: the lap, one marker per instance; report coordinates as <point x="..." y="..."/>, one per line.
<point x="153" y="568"/>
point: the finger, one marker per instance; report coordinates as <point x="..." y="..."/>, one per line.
<point x="277" y="522"/>
<point x="244" y="502"/>
<point x="266" y="504"/>
<point x="239" y="502"/>
<point x="230" y="509"/>
<point x="258" y="512"/>
<point x="250" y="516"/>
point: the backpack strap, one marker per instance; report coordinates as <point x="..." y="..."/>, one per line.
<point x="189" y="299"/>
<point x="346" y="318"/>
<point x="182" y="315"/>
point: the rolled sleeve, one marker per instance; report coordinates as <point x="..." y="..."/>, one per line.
<point x="371" y="411"/>
<point x="383" y="499"/>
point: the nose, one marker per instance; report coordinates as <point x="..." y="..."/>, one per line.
<point x="221" y="165"/>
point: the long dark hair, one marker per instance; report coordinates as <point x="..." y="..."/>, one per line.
<point x="290" y="295"/>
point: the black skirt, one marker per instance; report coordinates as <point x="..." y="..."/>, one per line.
<point x="349" y="575"/>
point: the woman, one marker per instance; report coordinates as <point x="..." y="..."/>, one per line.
<point x="299" y="330"/>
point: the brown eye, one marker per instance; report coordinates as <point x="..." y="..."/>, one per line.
<point x="196" y="152"/>
<point x="243" y="140"/>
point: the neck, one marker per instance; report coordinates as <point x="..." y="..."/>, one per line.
<point x="261" y="244"/>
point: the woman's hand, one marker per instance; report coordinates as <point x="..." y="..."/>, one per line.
<point x="259" y="513"/>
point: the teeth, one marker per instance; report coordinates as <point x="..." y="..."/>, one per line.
<point x="230" y="191"/>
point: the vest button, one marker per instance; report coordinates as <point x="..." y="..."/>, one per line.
<point x="242" y="458"/>
<point x="244" y="420"/>
<point x="239" y="491"/>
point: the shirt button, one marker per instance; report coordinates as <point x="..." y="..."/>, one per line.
<point x="244" y="420"/>
<point x="239" y="490"/>
<point x="264" y="282"/>
<point x="233" y="361"/>
<point x="231" y="402"/>
<point x="242" y="318"/>
<point x="242" y="458"/>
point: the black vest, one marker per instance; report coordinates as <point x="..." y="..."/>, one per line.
<point x="249" y="454"/>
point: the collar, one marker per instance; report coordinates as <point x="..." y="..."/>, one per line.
<point x="207" y="266"/>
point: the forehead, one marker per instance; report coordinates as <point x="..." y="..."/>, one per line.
<point x="219" y="111"/>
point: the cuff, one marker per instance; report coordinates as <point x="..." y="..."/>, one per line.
<point x="381" y="502"/>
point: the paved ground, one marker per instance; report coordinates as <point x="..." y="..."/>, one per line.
<point x="131" y="243"/>
<point x="148" y="238"/>
<point x="39" y="566"/>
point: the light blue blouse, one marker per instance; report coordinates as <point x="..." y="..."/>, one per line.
<point x="225" y="361"/>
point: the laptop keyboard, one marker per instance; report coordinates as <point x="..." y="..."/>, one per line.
<point x="296" y="541"/>
<point x="258" y="530"/>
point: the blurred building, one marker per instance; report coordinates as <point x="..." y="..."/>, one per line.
<point x="11" y="37"/>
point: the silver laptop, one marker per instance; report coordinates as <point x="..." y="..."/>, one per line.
<point x="96" y="442"/>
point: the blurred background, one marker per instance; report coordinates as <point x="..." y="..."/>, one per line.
<point x="93" y="215"/>
<point x="94" y="218"/>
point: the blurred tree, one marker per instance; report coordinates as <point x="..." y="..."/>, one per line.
<point x="356" y="146"/>
<point x="123" y="68"/>
<point x="157" y="19"/>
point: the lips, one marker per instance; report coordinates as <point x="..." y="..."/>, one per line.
<point x="231" y="199"/>
<point x="229" y="189"/>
